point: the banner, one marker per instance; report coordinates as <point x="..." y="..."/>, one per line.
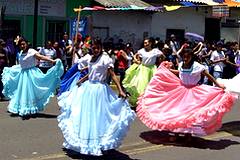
<point x="82" y="27"/>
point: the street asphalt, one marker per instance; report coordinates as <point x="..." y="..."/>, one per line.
<point x="40" y="139"/>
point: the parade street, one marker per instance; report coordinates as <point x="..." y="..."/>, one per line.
<point x="40" y="139"/>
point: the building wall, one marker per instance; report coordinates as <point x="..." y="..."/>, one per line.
<point x="230" y="31"/>
<point x="188" y="19"/>
<point x="127" y="25"/>
<point x="134" y="25"/>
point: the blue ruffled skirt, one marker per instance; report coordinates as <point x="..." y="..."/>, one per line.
<point x="70" y="78"/>
<point x="93" y="118"/>
<point x="30" y="89"/>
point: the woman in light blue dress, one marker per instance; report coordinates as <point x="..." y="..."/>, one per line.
<point x="94" y="118"/>
<point x="25" y="84"/>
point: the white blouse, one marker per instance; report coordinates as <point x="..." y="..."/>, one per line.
<point x="191" y="76"/>
<point x="84" y="61"/>
<point x="149" y="58"/>
<point x="28" y="60"/>
<point x="98" y="71"/>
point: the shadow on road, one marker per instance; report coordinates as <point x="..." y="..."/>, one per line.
<point x="44" y="115"/>
<point x="162" y="138"/>
<point x="38" y="115"/>
<point x="232" y="127"/>
<point x="109" y="155"/>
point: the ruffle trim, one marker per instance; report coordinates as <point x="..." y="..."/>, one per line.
<point x="171" y="125"/>
<point x="5" y="80"/>
<point x="33" y="108"/>
<point x="132" y="86"/>
<point x="39" y="104"/>
<point x="82" y="145"/>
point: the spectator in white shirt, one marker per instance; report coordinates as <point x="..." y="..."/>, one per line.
<point x="49" y="52"/>
<point x="218" y="60"/>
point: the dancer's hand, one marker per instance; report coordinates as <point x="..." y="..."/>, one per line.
<point x="54" y="61"/>
<point x="122" y="94"/>
<point x="79" y="83"/>
<point x="222" y="86"/>
<point x="136" y="61"/>
<point x="224" y="60"/>
<point x="167" y="64"/>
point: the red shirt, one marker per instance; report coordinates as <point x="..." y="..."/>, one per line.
<point x="122" y="62"/>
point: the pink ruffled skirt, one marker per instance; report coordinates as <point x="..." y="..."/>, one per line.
<point x="169" y="105"/>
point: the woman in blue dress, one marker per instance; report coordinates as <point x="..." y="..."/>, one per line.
<point x="94" y="118"/>
<point x="75" y="73"/>
<point x="28" y="88"/>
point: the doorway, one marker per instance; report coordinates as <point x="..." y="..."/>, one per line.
<point x="179" y="34"/>
<point x="212" y="29"/>
<point x="10" y="29"/>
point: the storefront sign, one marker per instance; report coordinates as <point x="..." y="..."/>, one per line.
<point x="54" y="8"/>
<point x="18" y="7"/>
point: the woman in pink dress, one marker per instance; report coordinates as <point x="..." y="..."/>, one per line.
<point x="181" y="105"/>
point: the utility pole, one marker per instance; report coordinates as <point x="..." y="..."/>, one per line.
<point x="78" y="10"/>
<point x="2" y="14"/>
<point x="35" y="23"/>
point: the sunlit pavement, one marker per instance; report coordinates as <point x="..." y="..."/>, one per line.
<point x="40" y="139"/>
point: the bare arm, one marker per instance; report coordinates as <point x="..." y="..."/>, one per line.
<point x="84" y="68"/>
<point x="198" y="48"/>
<point x="229" y="62"/>
<point x="136" y="58"/>
<point x="180" y="50"/>
<point x="2" y="55"/>
<point x="220" y="60"/>
<point x="160" y="59"/>
<point x="124" y="54"/>
<point x="212" y="79"/>
<point x="208" y="54"/>
<point x="115" y="80"/>
<point x="79" y="82"/>
<point x="233" y="64"/>
<point x="41" y="57"/>
<point x="174" y="71"/>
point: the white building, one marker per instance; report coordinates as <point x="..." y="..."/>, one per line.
<point x="133" y="26"/>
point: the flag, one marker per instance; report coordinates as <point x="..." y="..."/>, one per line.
<point x="82" y="27"/>
<point x="220" y="11"/>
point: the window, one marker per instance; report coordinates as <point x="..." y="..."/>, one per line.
<point x="55" y="30"/>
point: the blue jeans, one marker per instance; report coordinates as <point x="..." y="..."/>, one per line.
<point x="217" y="74"/>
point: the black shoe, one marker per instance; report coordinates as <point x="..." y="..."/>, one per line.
<point x="34" y="115"/>
<point x="4" y="99"/>
<point x="25" y="117"/>
<point x="13" y="115"/>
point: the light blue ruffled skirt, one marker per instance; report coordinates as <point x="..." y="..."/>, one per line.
<point x="93" y="118"/>
<point x="30" y="89"/>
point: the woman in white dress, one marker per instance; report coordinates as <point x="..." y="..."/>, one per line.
<point x="93" y="118"/>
